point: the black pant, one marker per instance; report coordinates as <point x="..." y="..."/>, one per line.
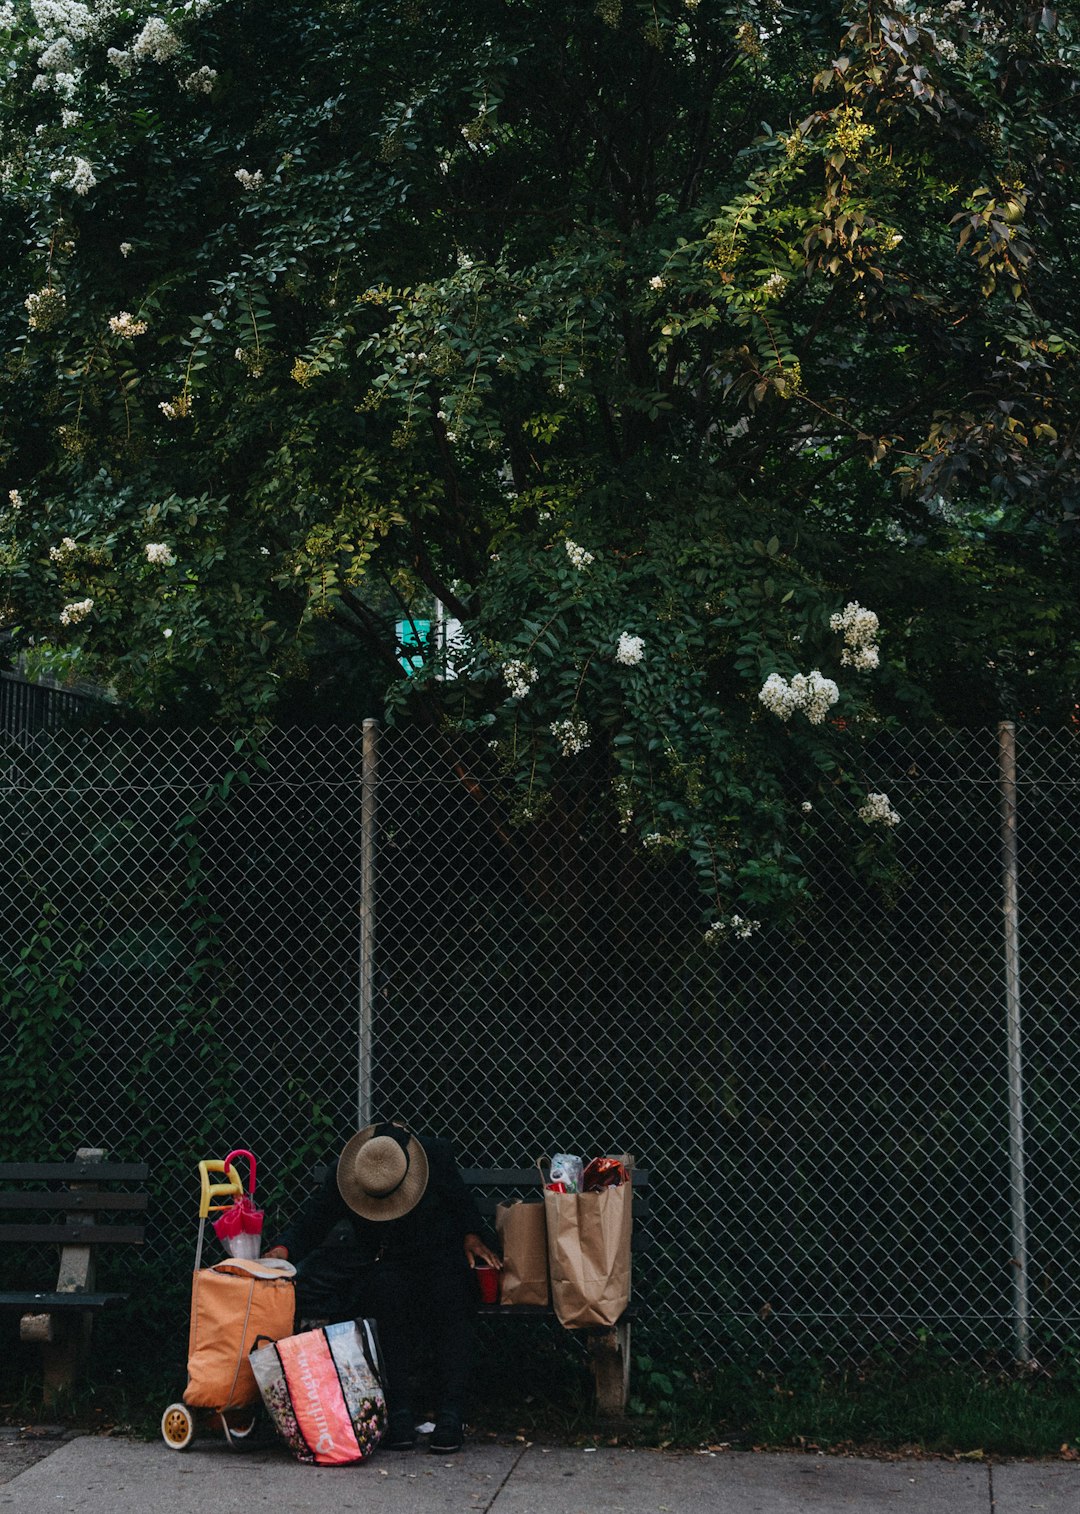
<point x="412" y="1300"/>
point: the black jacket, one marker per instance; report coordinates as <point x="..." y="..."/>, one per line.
<point x="435" y="1229"/>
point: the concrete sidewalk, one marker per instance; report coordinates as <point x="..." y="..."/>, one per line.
<point x="110" y="1475"/>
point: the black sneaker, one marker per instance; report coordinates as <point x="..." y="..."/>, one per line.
<point x="448" y="1435"/>
<point x="401" y="1432"/>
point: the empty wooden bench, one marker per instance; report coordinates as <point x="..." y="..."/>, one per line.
<point x="80" y="1206"/>
<point x="608" y="1348"/>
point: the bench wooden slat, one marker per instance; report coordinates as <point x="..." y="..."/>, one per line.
<point x="47" y="1303"/>
<point x="78" y="1233"/>
<point x="81" y="1198"/>
<point x="64" y="1172"/>
<point x="502" y="1177"/>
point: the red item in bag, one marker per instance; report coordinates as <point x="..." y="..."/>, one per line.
<point x="555" y="1187"/>
<point x="602" y="1172"/>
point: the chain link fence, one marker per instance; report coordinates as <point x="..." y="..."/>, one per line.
<point x="843" y="1148"/>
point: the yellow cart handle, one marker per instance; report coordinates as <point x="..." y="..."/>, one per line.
<point x="233" y="1187"/>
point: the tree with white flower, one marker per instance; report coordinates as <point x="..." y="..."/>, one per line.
<point x="358" y="309"/>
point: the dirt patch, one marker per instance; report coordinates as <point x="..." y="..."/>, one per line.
<point x="22" y="1446"/>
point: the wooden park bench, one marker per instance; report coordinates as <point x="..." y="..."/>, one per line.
<point x="608" y="1347"/>
<point x="79" y="1206"/>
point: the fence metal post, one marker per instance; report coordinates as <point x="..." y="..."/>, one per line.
<point x="367" y="921"/>
<point x="1011" y="910"/>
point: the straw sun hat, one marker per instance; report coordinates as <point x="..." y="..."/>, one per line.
<point x="383" y="1172"/>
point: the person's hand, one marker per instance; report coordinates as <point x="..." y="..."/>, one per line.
<point x="476" y="1251"/>
<point x="277" y="1251"/>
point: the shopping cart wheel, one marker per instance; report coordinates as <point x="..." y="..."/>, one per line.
<point x="178" y="1427"/>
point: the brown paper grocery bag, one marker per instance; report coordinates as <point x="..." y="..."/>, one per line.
<point x="589" y="1254"/>
<point x="522" y="1230"/>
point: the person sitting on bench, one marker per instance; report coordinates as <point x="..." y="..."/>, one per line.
<point x="416" y="1234"/>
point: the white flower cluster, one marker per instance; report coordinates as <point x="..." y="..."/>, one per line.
<point x="64" y="28"/>
<point x="63" y="83"/>
<point x="630" y="651"/>
<point x="623" y="793"/>
<point x="859" y="628"/>
<point x="160" y="554"/>
<point x="572" y="736"/>
<point x="126" y="325"/>
<point x="16" y="499"/>
<point x="62" y="18"/>
<point x="7" y="18"/>
<point x="253" y="359"/>
<point x="71" y="614"/>
<point x="775" y="694"/>
<point x="44" y="308"/>
<point x="249" y="181"/>
<point x="125" y="248"/>
<point x="984" y="27"/>
<point x="178" y="408"/>
<point x="61" y="25"/>
<point x="814" y="695"/>
<point x="157" y="41"/>
<point x="734" y="925"/>
<point x="774" y="286"/>
<point x="810" y="692"/>
<point x="66" y="547"/>
<point x="201" y="82"/>
<point x="656" y="282"/>
<point x="659" y="841"/>
<point x="79" y="177"/>
<point x="577" y="555"/>
<point x="519" y="676"/>
<point x="878" y="811"/>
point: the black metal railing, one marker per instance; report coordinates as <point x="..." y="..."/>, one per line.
<point x="31" y="707"/>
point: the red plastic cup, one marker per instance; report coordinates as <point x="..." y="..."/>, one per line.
<point x="488" y="1280"/>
